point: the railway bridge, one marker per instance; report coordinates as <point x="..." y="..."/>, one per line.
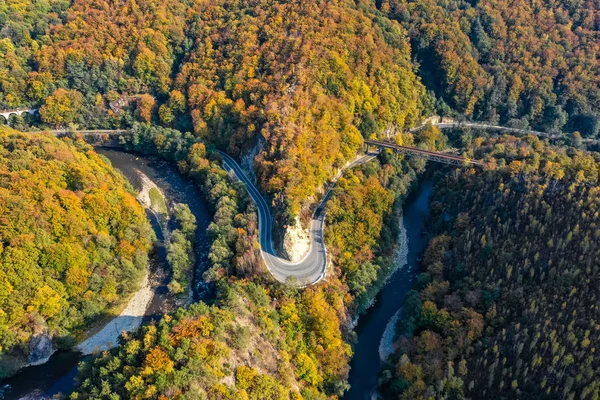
<point x="311" y="269"/>
<point x="436" y="156"/>
<point x="446" y="158"/>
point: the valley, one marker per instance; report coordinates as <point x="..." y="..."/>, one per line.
<point x="288" y="200"/>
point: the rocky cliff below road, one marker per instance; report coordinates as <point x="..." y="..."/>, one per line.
<point x="296" y="242"/>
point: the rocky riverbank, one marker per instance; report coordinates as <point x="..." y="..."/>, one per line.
<point x="132" y="316"/>
<point x="386" y="346"/>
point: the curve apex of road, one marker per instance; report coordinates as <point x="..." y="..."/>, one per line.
<point x="311" y="269"/>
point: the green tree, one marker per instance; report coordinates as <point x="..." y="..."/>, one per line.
<point x="62" y="107"/>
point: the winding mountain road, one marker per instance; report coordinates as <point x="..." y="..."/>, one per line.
<point x="311" y="269"/>
<point x="465" y="124"/>
<point x="447" y="123"/>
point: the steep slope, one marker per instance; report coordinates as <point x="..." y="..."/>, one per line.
<point x="309" y="78"/>
<point x="508" y="304"/>
<point x="520" y="62"/>
<point x="259" y="338"/>
<point x="74" y="241"/>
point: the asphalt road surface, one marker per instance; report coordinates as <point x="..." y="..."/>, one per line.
<point x="311" y="269"/>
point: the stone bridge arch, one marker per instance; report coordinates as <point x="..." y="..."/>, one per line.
<point x="7" y="115"/>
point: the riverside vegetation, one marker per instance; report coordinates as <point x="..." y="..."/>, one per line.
<point x="213" y="350"/>
<point x="303" y="82"/>
<point x="180" y="250"/>
<point x="309" y="77"/>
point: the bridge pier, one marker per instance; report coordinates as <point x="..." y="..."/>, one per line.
<point x="18" y="112"/>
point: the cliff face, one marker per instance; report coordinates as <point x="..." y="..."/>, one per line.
<point x="62" y="280"/>
<point x="296" y="242"/>
<point x="292" y="240"/>
<point x="36" y="351"/>
<point x="40" y="349"/>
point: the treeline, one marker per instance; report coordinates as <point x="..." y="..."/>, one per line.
<point x="507" y="304"/>
<point x="74" y="241"/>
<point x="233" y="231"/>
<point x="520" y="63"/>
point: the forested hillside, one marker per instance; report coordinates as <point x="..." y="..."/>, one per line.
<point x="362" y="224"/>
<point x="310" y="78"/>
<point x="259" y="339"/>
<point x="507" y="305"/>
<point x="241" y="348"/>
<point x="74" y="240"/>
<point x="23" y="28"/>
<point x="522" y="63"/>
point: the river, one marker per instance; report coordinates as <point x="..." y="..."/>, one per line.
<point x="177" y="188"/>
<point x="57" y="374"/>
<point x="366" y="362"/>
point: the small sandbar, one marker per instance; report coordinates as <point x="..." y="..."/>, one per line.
<point x="132" y="316"/>
<point x="129" y="320"/>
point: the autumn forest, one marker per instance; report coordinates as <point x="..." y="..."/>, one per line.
<point x="502" y="302"/>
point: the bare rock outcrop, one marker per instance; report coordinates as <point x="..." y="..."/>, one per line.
<point x="296" y="242"/>
<point x="40" y="349"/>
